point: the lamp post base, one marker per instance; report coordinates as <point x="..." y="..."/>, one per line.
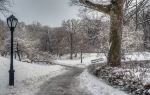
<point x="11" y="77"/>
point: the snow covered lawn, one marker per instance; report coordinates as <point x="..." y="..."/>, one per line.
<point x="88" y="57"/>
<point x="76" y="61"/>
<point x="97" y="86"/>
<point x="28" y="77"/>
<point x="137" y="56"/>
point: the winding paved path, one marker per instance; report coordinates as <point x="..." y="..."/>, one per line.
<point x="65" y="84"/>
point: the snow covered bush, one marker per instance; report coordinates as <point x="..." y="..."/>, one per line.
<point x="130" y="77"/>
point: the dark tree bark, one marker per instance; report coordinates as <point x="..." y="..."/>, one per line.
<point x="18" y="52"/>
<point x="81" y="55"/>
<point x="116" y="15"/>
<point x="146" y="30"/>
<point x="71" y="45"/>
<point x="115" y="11"/>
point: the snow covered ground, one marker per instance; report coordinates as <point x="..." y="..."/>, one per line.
<point x="96" y="86"/>
<point x="87" y="57"/>
<point x="93" y="84"/>
<point x="137" y="56"/>
<point x="28" y="77"/>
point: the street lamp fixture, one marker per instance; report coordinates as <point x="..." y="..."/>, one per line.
<point x="12" y="23"/>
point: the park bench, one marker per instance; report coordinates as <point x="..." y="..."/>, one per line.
<point x="96" y="61"/>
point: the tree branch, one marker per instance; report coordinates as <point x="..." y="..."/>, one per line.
<point x="98" y="7"/>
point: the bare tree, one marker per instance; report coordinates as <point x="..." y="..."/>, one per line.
<point x="4" y="4"/>
<point x="2" y="33"/>
<point x="59" y="41"/>
<point x="45" y="39"/>
<point x="146" y="29"/>
<point x="115" y="9"/>
<point x="71" y="27"/>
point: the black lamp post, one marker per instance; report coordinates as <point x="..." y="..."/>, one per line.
<point x="12" y="23"/>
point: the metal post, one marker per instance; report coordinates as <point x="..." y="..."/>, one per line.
<point x="71" y="45"/>
<point x="11" y="71"/>
<point x="81" y="56"/>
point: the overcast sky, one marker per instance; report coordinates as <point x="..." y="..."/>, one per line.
<point x="47" y="12"/>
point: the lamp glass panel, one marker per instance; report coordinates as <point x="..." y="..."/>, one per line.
<point x="9" y="23"/>
<point x="14" y="23"/>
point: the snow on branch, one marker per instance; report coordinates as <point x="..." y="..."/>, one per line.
<point x="97" y="6"/>
<point x="103" y="2"/>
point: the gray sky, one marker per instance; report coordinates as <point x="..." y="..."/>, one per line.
<point x="47" y="12"/>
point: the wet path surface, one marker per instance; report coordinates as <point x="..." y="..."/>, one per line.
<point x="65" y="84"/>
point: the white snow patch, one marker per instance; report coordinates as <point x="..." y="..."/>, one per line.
<point x="103" y="2"/>
<point x="96" y="86"/>
<point x="137" y="56"/>
<point x="28" y="77"/>
<point x="87" y="57"/>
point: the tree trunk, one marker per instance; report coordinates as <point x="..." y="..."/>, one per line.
<point x="18" y="52"/>
<point x="146" y="30"/>
<point x="115" y="10"/>
<point x="116" y="21"/>
<point x="71" y="45"/>
<point x="81" y="56"/>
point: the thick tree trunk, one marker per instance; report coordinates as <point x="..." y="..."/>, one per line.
<point x="115" y="10"/>
<point x="114" y="55"/>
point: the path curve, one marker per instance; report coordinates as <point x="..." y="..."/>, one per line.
<point x="65" y="84"/>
